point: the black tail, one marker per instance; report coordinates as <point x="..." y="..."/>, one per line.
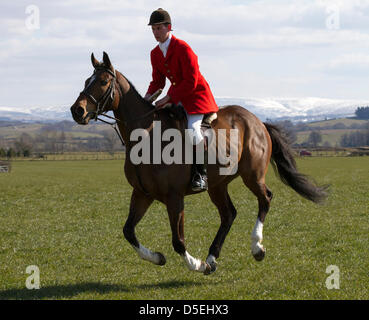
<point x="285" y="164"/>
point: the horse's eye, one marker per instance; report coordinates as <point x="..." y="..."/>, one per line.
<point x="104" y="82"/>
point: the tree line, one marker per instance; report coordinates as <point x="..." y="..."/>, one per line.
<point x="51" y="141"/>
<point x="362" y="113"/>
<point x="357" y="138"/>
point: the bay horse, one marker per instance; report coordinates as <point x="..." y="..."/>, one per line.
<point x="258" y="144"/>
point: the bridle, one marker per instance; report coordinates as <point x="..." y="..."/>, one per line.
<point x="109" y="94"/>
<point x="103" y="101"/>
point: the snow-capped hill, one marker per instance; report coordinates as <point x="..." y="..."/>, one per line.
<point x="33" y="114"/>
<point x="295" y="109"/>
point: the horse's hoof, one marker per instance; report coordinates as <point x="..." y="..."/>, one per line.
<point x="207" y="269"/>
<point x="259" y="256"/>
<point x="211" y="262"/>
<point x="162" y="260"/>
<point x="210" y="267"/>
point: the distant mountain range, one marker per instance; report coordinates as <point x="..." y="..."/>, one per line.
<point x="297" y="109"/>
<point x="294" y="109"/>
<point x="35" y="114"/>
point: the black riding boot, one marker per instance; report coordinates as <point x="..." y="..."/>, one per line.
<point x="200" y="178"/>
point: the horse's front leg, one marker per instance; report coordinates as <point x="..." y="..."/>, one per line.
<point x="175" y="207"/>
<point x="138" y="207"/>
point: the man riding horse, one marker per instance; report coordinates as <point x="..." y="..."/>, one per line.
<point x="258" y="144"/>
<point x="174" y="59"/>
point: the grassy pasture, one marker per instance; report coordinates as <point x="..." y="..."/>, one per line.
<point x="333" y="136"/>
<point x="73" y="131"/>
<point x="346" y="121"/>
<point x="66" y="217"/>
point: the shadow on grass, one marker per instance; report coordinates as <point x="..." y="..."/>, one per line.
<point x="61" y="291"/>
<point x="169" y="285"/>
<point x="67" y="291"/>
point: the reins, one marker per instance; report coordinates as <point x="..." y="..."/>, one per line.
<point x="113" y="125"/>
<point x="110" y="93"/>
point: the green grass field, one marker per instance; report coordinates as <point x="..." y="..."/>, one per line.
<point x="66" y="217"/>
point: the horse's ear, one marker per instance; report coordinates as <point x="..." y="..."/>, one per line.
<point x="106" y="61"/>
<point x="95" y="63"/>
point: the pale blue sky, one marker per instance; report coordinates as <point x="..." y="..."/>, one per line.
<point x="253" y="49"/>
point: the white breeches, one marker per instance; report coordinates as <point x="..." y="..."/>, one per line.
<point x="194" y="123"/>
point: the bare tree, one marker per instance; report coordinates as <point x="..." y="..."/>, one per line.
<point x="62" y="140"/>
<point x="24" y="144"/>
<point x="110" y="140"/>
<point x="315" y="138"/>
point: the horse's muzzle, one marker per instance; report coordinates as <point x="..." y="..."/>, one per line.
<point x="78" y="115"/>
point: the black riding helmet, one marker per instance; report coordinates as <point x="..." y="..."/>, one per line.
<point x="159" y="16"/>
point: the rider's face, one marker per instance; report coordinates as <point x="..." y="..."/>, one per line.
<point x="161" y="31"/>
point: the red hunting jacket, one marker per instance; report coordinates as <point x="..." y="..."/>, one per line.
<point x="188" y="86"/>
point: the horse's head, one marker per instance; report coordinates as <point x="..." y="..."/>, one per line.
<point x="98" y="93"/>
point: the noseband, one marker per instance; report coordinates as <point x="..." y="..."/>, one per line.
<point x="109" y="93"/>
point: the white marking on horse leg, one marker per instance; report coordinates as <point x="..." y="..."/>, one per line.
<point x="210" y="259"/>
<point x="147" y="254"/>
<point x="257" y="237"/>
<point x="194" y="264"/>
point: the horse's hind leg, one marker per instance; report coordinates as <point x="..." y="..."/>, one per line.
<point x="138" y="207"/>
<point x="227" y="212"/>
<point x="175" y="207"/>
<point x="264" y="196"/>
